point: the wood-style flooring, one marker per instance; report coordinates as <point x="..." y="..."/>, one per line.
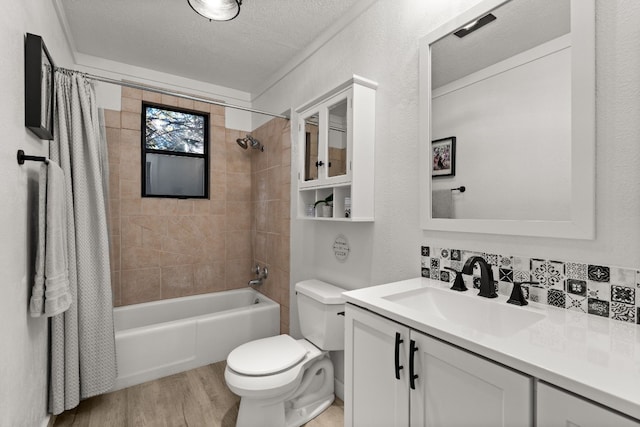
<point x="196" y="398"/>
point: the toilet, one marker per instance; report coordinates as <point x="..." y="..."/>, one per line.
<point x="284" y="382"/>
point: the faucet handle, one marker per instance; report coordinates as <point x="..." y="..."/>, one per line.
<point x="458" y="283"/>
<point x="517" y="295"/>
<point x="256" y="270"/>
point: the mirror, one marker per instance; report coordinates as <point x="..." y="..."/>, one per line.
<point x="312" y="135"/>
<point x="338" y="139"/>
<point x="507" y="132"/>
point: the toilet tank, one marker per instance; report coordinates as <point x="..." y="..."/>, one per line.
<point x="321" y="313"/>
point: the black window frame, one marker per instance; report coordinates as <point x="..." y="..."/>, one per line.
<point x="146" y="150"/>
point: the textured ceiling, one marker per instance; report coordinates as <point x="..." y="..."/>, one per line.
<point x="167" y="36"/>
<point x="520" y="25"/>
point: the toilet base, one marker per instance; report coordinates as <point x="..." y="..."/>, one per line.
<point x="300" y="416"/>
<point x="255" y="413"/>
<point x="313" y="394"/>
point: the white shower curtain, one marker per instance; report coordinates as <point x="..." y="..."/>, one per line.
<point x="82" y="345"/>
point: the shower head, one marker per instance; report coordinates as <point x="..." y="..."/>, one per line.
<point x="249" y="141"/>
<point x="242" y="142"/>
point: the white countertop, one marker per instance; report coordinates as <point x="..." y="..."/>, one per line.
<point x="595" y="357"/>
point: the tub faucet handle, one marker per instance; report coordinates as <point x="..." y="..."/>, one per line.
<point x="260" y="272"/>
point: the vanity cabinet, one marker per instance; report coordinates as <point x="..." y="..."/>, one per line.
<point x="336" y="139"/>
<point x="397" y="376"/>
<point x="556" y="407"/>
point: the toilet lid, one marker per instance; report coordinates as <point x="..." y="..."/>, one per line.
<point x="266" y="356"/>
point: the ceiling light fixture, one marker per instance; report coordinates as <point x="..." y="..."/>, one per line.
<point x="216" y="10"/>
<point x="475" y="25"/>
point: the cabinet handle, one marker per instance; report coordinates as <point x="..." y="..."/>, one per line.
<point x="319" y="163"/>
<point x="412" y="352"/>
<point x="397" y="365"/>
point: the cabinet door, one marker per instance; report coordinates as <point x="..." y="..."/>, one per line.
<point x="374" y="396"/>
<point x="326" y="142"/>
<point x="457" y="388"/>
<point x="558" y="408"/>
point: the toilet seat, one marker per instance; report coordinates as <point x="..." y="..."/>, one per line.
<point x="266" y="356"/>
<point x="267" y="386"/>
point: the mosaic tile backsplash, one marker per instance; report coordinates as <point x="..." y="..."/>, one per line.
<point x="599" y="290"/>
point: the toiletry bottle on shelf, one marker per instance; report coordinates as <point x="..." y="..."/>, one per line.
<point x="347" y="207"/>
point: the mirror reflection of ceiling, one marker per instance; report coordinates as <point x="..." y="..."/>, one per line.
<point x="168" y="36"/>
<point x="520" y="25"/>
<point x="339" y="110"/>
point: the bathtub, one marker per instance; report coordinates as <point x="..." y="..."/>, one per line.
<point x="161" y="338"/>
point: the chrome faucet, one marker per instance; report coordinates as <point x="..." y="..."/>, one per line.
<point x="261" y="274"/>
<point x="487" y="285"/>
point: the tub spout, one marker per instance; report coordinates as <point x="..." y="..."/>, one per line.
<point x="255" y="282"/>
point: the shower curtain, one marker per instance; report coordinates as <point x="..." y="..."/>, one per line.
<point x="82" y="344"/>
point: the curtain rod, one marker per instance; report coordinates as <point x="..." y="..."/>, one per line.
<point x="168" y="92"/>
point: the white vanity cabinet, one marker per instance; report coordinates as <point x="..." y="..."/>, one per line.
<point x="397" y="376"/>
<point x="557" y="408"/>
<point x="336" y="139"/>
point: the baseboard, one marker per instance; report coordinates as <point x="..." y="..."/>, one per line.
<point x="49" y="421"/>
<point x="338" y="388"/>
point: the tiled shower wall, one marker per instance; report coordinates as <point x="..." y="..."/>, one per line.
<point x="600" y="290"/>
<point x="271" y="200"/>
<point x="167" y="248"/>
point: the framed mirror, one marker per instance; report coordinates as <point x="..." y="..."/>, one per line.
<point x="513" y="84"/>
<point x="38" y="87"/>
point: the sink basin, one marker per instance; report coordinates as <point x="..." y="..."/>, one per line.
<point x="490" y="316"/>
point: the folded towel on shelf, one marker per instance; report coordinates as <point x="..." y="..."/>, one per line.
<point x="441" y="204"/>
<point x="50" y="294"/>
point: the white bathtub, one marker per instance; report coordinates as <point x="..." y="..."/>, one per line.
<point x="161" y="338"/>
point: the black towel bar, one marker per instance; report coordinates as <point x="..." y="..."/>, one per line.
<point x="23" y="157"/>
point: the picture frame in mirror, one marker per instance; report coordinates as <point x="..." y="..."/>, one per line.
<point x="443" y="157"/>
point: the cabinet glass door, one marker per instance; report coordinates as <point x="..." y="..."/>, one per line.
<point x="312" y="140"/>
<point x="337" y="139"/>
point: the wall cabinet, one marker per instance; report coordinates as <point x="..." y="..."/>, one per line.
<point x="397" y="376"/>
<point x="336" y="141"/>
<point x="556" y="407"/>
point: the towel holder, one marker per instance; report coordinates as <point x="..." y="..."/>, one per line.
<point x="24" y="157"/>
<point x="461" y="189"/>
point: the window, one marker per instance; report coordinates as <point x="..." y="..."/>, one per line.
<point x="175" y="152"/>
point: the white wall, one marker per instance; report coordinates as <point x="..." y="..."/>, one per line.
<point x="382" y="45"/>
<point x="23" y="340"/>
<point x="513" y="147"/>
<point x="109" y="95"/>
